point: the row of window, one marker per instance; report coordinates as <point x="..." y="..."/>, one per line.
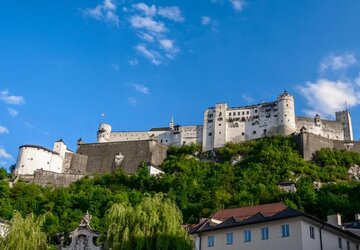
<point x="285" y="232"/>
<point x="348" y="246"/>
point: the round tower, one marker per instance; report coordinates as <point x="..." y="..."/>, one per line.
<point x="286" y="114"/>
<point x="103" y="134"/>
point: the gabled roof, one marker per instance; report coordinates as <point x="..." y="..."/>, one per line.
<point x="245" y="212"/>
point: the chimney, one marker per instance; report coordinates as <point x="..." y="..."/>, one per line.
<point x="334" y="219"/>
<point x="357" y="217"/>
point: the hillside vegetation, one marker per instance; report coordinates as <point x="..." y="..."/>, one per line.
<point x="238" y="175"/>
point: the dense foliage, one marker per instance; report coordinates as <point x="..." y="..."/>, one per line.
<point x="199" y="184"/>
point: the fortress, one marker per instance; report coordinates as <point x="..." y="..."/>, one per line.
<point x="221" y="125"/>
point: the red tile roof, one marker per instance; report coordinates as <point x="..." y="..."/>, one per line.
<point x="245" y="212"/>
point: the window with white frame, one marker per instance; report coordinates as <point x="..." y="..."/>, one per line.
<point x="264" y="233"/>
<point x="312" y="232"/>
<point x="247" y="235"/>
<point x="285" y="230"/>
<point x="229" y="238"/>
<point x="211" y="240"/>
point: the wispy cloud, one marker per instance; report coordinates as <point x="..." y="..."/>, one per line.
<point x="238" y="5"/>
<point x="152" y="55"/>
<point x="247" y="98"/>
<point x="4" y="130"/>
<point x="12" y="112"/>
<point x="173" y="13"/>
<point x="147" y="10"/>
<point x="4" y="154"/>
<point x="11" y="99"/>
<point x="338" y="62"/>
<point x="205" y="20"/>
<point x="106" y="11"/>
<point x="148" y="24"/>
<point x="115" y="66"/>
<point x="29" y="125"/>
<point x="132" y="101"/>
<point x="133" y="62"/>
<point x="141" y="88"/>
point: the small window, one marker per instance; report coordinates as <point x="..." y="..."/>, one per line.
<point x="219" y="113"/>
<point x="243" y="112"/>
<point x="219" y="124"/>
<point x="254" y="132"/>
<point x="234" y="113"/>
<point x="219" y="133"/>
<point x="238" y="113"/>
<point x="312" y="232"/>
<point x="347" y="245"/>
<point x="255" y="110"/>
<point x="230" y="114"/>
<point x="357" y="247"/>
<point x="264" y="233"/>
<point x="247" y="235"/>
<point x="285" y="232"/>
<point x="247" y="112"/>
<point x="242" y="133"/>
<point x="211" y="240"/>
<point x="229" y="238"/>
<point x="210" y="134"/>
<point x="340" y="242"/>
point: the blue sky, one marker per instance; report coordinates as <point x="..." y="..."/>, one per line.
<point x="64" y="63"/>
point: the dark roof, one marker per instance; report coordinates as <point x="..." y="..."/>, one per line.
<point x="161" y="129"/>
<point x="60" y="140"/>
<point x="39" y="147"/>
<point x="245" y="212"/>
<point x="268" y="214"/>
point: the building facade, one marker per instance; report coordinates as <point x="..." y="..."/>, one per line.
<point x="270" y="226"/>
<point x="223" y="124"/>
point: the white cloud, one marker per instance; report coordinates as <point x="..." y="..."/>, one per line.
<point x="357" y="80"/>
<point x="29" y="125"/>
<point x="147" y="23"/>
<point x="4" y="154"/>
<point x="238" y="5"/>
<point x="141" y="89"/>
<point x="325" y="97"/>
<point x="205" y="20"/>
<point x="4" y="130"/>
<point x="11" y="99"/>
<point x="146" y="37"/>
<point x="338" y="62"/>
<point x="247" y="98"/>
<point x="133" y="62"/>
<point x="105" y="12"/>
<point x="148" y="10"/>
<point x="132" y="101"/>
<point x="167" y="44"/>
<point x="173" y="13"/>
<point x="153" y="56"/>
<point x="12" y="112"/>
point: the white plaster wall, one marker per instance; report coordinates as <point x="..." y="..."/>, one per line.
<point x="33" y="158"/>
<point x="60" y="147"/>
<point x="105" y="135"/>
<point x="219" y="125"/>
<point x="208" y="129"/>
<point x="275" y="241"/>
<point x="128" y="136"/>
<point x="154" y="171"/>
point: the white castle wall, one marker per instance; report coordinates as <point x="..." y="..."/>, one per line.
<point x="32" y="158"/>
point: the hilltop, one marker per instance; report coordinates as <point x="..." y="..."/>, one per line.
<point x="201" y="183"/>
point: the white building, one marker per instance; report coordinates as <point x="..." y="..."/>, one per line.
<point x="223" y="124"/>
<point x="272" y="227"/>
<point x="33" y="157"/>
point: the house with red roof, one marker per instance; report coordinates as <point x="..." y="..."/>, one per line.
<point x="272" y="227"/>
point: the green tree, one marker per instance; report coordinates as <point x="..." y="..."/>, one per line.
<point x="24" y="234"/>
<point x="155" y="223"/>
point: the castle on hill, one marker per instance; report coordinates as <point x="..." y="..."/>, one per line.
<point x="223" y="124"/>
